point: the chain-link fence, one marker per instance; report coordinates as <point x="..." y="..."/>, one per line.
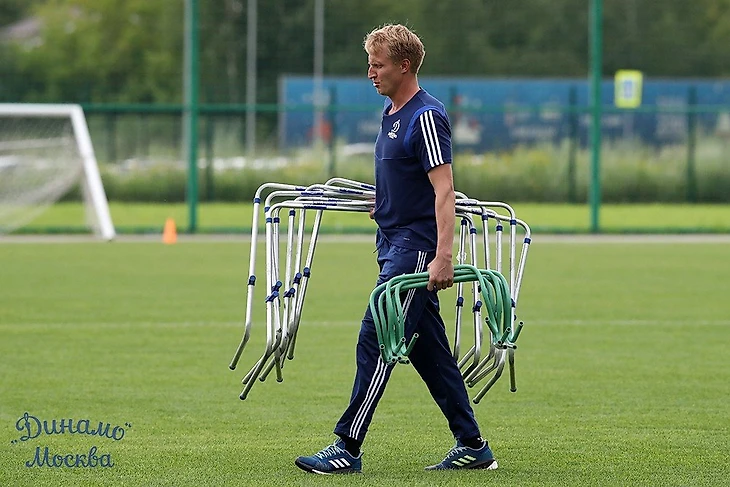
<point x="514" y="78"/>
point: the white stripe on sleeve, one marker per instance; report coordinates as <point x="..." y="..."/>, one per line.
<point x="430" y="138"/>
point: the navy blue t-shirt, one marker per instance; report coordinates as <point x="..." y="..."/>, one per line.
<point x="411" y="142"/>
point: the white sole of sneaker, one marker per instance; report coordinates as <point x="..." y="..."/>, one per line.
<point x="487" y="466"/>
<point x="484" y="466"/>
<point x="339" y="472"/>
<point x="307" y="468"/>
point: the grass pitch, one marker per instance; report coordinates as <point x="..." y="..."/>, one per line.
<point x="623" y="370"/>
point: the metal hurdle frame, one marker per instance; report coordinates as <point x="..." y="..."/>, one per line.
<point x="253" y="246"/>
<point x="494" y="362"/>
<point x="336" y="194"/>
<point x="340" y="194"/>
<point x="292" y="312"/>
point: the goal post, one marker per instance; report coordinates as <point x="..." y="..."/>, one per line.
<point x="45" y="150"/>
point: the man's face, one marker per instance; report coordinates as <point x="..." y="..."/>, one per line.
<point x="384" y="73"/>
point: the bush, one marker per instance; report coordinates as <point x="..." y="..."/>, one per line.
<point x="629" y="173"/>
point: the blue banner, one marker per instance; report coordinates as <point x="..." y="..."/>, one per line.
<point x="494" y="114"/>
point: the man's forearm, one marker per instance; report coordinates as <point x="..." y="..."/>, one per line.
<point x="445" y="208"/>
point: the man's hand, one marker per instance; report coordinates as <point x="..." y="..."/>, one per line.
<point x="441" y="268"/>
<point x="440" y="273"/>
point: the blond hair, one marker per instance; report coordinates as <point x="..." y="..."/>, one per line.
<point x="398" y="43"/>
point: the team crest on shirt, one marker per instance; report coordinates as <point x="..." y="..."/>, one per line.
<point x="394" y="131"/>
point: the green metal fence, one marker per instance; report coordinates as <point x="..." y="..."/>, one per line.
<point x="209" y="57"/>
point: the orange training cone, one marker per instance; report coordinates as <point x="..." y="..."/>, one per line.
<point x="169" y="234"/>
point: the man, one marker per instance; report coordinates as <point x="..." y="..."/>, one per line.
<point x="414" y="210"/>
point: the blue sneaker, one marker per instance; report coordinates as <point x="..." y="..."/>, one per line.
<point x="463" y="457"/>
<point x="333" y="459"/>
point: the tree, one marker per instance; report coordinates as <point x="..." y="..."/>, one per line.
<point x="106" y="51"/>
<point x="14" y="10"/>
<point x="131" y="50"/>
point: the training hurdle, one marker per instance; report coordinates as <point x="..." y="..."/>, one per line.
<point x="493" y="293"/>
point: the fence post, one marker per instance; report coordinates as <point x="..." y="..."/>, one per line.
<point x="332" y="116"/>
<point x="573" y="144"/>
<point x="209" y="154"/>
<point x="144" y="134"/>
<point x="454" y="115"/>
<point x="111" y="137"/>
<point x="596" y="14"/>
<point x="691" y="144"/>
<point x="190" y="113"/>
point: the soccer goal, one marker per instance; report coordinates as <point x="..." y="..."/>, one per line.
<point x="45" y="151"/>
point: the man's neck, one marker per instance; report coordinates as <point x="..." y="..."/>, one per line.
<point x="403" y="96"/>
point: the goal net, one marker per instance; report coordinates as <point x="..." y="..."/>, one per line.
<point x="45" y="151"/>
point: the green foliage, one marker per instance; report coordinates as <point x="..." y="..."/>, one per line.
<point x="714" y="181"/>
<point x="131" y="51"/>
<point x="104" y="51"/>
<point x="164" y="184"/>
<point x="14" y="10"/>
<point x="630" y="174"/>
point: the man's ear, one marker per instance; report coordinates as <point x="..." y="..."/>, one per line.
<point x="405" y="66"/>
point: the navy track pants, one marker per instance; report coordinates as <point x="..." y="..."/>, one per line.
<point x="431" y="356"/>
